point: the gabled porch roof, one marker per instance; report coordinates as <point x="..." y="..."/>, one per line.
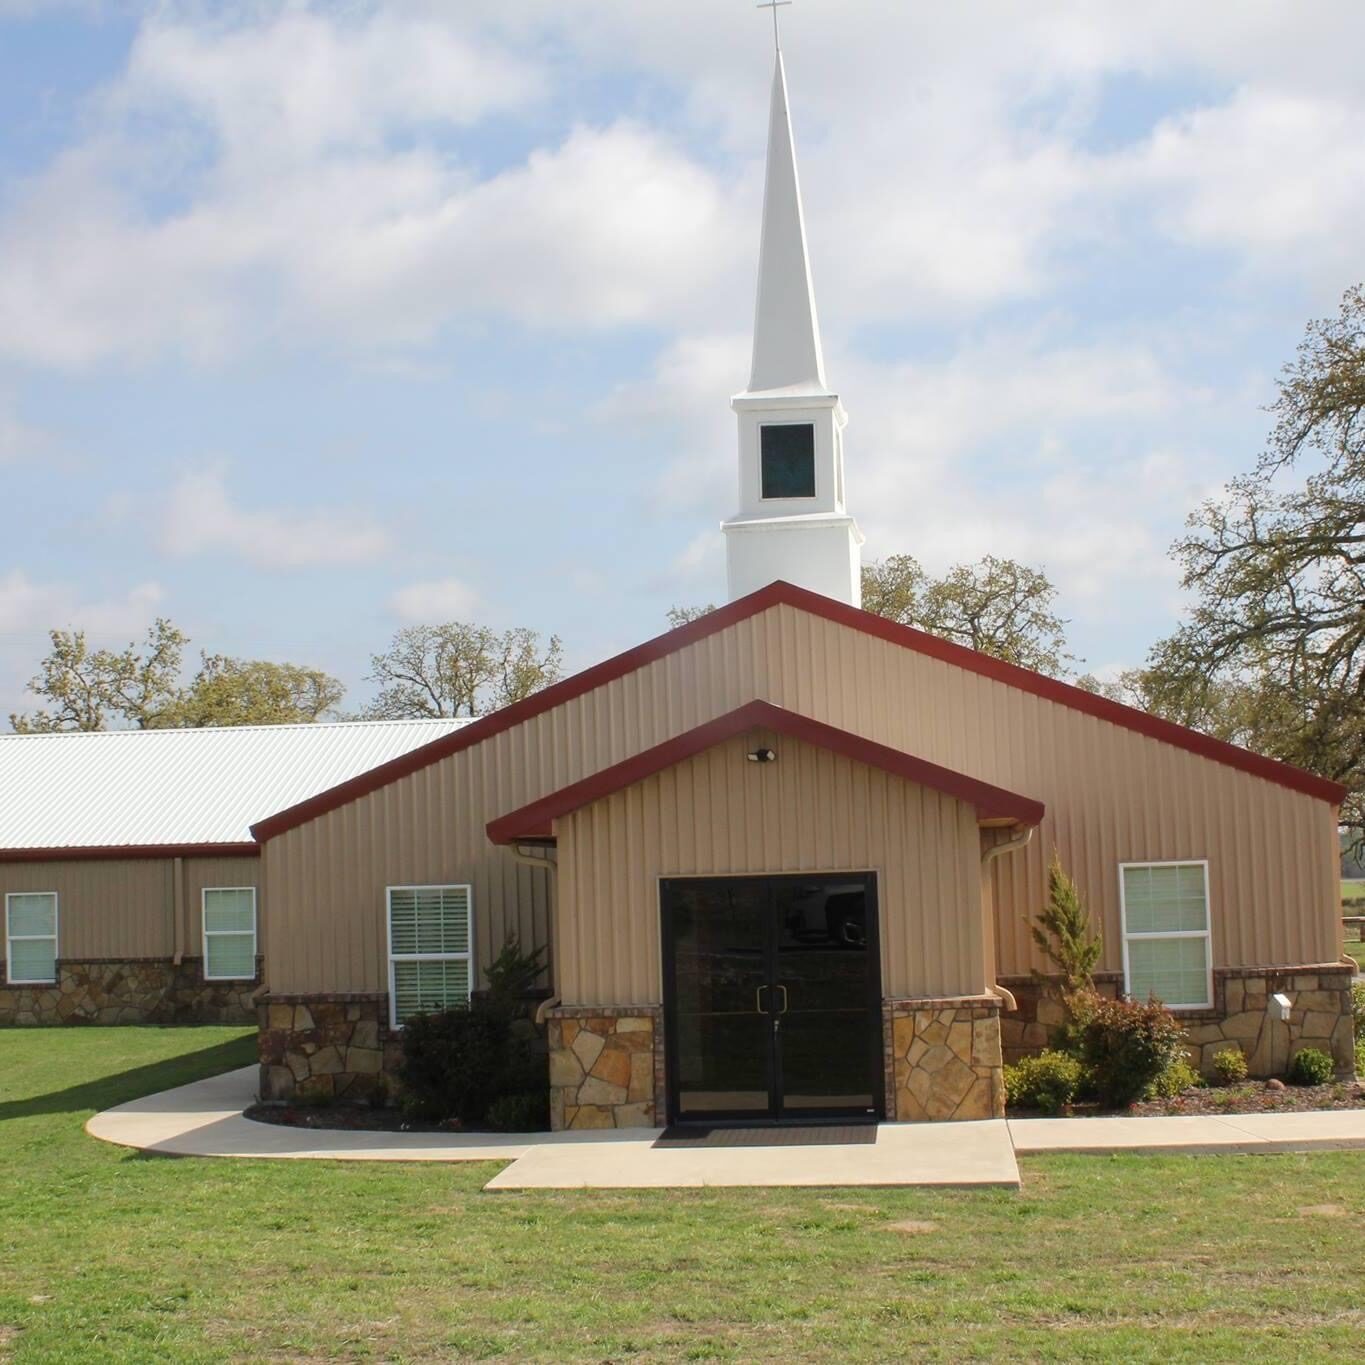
<point x="534" y="823"/>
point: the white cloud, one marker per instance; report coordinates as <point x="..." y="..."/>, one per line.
<point x="293" y="174"/>
<point x="28" y="606"/>
<point x="1278" y="177"/>
<point x="200" y="517"/>
<point x="298" y="170"/>
<point x="434" y="602"/>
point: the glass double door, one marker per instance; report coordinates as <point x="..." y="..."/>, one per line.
<point x="772" y="997"/>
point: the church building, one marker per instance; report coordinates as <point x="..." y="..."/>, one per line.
<point x="784" y="858"/>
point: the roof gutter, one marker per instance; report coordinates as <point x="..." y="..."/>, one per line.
<point x="114" y="852"/>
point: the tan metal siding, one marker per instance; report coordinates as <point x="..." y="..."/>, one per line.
<point x="199" y="873"/>
<point x="811" y="811"/>
<point x="116" y="908"/>
<point x="1111" y="794"/>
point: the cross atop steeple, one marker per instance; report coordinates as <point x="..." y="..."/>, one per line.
<point x="775" y="5"/>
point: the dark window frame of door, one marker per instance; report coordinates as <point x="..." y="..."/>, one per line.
<point x="874" y="1032"/>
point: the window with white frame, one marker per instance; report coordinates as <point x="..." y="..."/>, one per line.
<point x="229" y="933"/>
<point x="1166" y="950"/>
<point x="31" y="938"/>
<point x="431" y="949"/>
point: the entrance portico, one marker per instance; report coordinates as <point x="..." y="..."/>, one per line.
<point x="766" y="919"/>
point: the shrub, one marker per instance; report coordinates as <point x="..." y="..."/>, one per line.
<point x="1064" y="935"/>
<point x="1360" y="1060"/>
<point x="1048" y="1082"/>
<point x="1177" y="1078"/>
<point x="1358" y="1011"/>
<point x="1311" y="1066"/>
<point x="454" y="1062"/>
<point x="1230" y="1065"/>
<point x="524" y="1113"/>
<point x="512" y="975"/>
<point x="1126" y="1047"/>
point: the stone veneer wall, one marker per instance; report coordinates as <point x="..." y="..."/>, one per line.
<point x="315" y="1047"/>
<point x="131" y="991"/>
<point x="1320" y="1016"/>
<point x="943" y="1058"/>
<point x="1026" y="1030"/>
<point x="606" y="1066"/>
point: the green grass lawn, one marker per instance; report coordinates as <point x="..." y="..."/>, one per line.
<point x="107" y="1255"/>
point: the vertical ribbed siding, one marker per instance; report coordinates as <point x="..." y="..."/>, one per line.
<point x="1112" y="795"/>
<point x="124" y="907"/>
<point x="199" y="873"/>
<point x="119" y="908"/>
<point x="811" y="811"/>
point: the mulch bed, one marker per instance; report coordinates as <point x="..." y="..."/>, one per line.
<point x="1257" y="1097"/>
<point x="350" y="1118"/>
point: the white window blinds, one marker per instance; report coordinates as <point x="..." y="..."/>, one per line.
<point x="431" y="942"/>
<point x="229" y="933"/>
<point x="31" y="937"/>
<point x="1166" y="950"/>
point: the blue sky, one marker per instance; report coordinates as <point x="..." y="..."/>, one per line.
<point x="318" y="320"/>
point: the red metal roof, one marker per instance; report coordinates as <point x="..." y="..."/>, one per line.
<point x="787" y="594"/>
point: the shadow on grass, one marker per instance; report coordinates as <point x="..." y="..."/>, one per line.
<point x="102" y="1092"/>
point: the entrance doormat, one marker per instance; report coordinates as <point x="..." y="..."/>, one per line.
<point x="812" y="1135"/>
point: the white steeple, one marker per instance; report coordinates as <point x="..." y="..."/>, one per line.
<point x="792" y="522"/>
<point x="787" y="351"/>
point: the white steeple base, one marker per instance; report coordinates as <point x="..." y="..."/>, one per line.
<point x="815" y="550"/>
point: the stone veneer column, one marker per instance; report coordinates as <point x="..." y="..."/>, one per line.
<point x="606" y="1066"/>
<point x="943" y="1058"/>
<point x="320" y="1047"/>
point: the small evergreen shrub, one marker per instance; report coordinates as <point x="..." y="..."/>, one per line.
<point x="1311" y="1066"/>
<point x="480" y="1063"/>
<point x="1064" y="935"/>
<point x="1175" y="1080"/>
<point x="1360" y="1060"/>
<point x="1358" y="1012"/>
<point x="524" y="1113"/>
<point x="1048" y="1082"/>
<point x="1126" y="1046"/>
<point x="512" y="975"/>
<point x="1230" y="1065"/>
<point x="454" y="1062"/>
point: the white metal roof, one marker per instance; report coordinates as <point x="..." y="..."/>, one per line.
<point x="112" y="788"/>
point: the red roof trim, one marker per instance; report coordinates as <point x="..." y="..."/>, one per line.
<point x="786" y="594"/>
<point x="111" y="852"/>
<point x="536" y="820"/>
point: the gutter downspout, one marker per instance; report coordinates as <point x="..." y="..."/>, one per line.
<point x="987" y="858"/>
<point x="178" y="910"/>
<point x="545" y="864"/>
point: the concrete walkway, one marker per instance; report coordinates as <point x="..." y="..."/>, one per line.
<point x="1325" y="1129"/>
<point x="206" y="1119"/>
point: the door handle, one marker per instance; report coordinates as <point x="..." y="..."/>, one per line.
<point x="758" y="999"/>
<point x="783" y="989"/>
